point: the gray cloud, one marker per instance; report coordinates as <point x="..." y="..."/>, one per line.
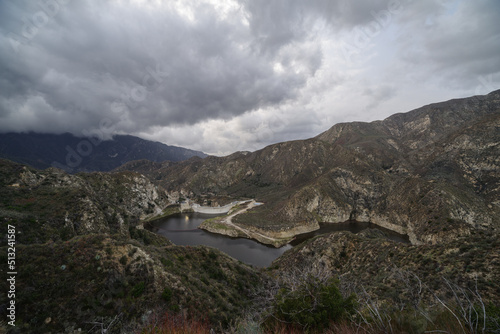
<point x="378" y="94"/>
<point x="247" y="71"/>
<point x="460" y="40"/>
<point x="154" y="68"/>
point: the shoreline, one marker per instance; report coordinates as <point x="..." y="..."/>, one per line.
<point x="225" y="226"/>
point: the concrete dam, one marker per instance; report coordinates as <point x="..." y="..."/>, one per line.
<point x="210" y="209"/>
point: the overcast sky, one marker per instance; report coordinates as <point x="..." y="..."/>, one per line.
<point x="224" y="76"/>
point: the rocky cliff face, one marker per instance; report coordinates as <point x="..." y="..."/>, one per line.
<point x="432" y="173"/>
<point x="52" y="204"/>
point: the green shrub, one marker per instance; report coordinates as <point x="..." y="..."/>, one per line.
<point x="174" y="308"/>
<point x="138" y="289"/>
<point x="212" y="255"/>
<point x="166" y="263"/>
<point x="214" y="271"/>
<point x="493" y="318"/>
<point x="313" y="305"/>
<point x="167" y="294"/>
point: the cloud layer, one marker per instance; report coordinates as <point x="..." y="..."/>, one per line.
<point x="221" y="76"/>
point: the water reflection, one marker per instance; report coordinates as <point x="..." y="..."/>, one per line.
<point x="351" y="226"/>
<point x="182" y="229"/>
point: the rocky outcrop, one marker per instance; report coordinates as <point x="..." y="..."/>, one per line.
<point x="65" y="205"/>
<point x="431" y="173"/>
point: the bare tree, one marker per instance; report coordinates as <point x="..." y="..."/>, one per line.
<point x="465" y="301"/>
<point x="102" y="327"/>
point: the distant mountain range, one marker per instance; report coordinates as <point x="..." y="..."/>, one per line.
<point x="74" y="154"/>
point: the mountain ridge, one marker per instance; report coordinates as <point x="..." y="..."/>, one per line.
<point x="84" y="257"/>
<point x="403" y="173"/>
<point x="85" y="154"/>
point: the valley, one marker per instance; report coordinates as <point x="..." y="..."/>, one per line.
<point x="88" y="252"/>
<point x="432" y="173"/>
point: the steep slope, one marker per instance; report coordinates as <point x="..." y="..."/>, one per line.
<point x="123" y="284"/>
<point x="394" y="278"/>
<point x="52" y="205"/>
<point x="75" y="154"/>
<point x="82" y="259"/>
<point x="432" y="173"/>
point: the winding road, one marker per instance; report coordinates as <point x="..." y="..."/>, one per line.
<point x="228" y="220"/>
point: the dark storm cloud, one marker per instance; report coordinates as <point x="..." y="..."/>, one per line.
<point x="260" y="70"/>
<point x="136" y="66"/>
<point x="279" y="22"/>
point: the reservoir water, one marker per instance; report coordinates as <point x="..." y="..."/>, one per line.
<point x="182" y="229"/>
<point x="353" y="227"/>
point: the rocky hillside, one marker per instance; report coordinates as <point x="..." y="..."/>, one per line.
<point x="88" y="154"/>
<point x="94" y="282"/>
<point x="371" y="261"/>
<point x="84" y="262"/>
<point x="432" y="173"/>
<point x="407" y="288"/>
<point x="53" y="205"/>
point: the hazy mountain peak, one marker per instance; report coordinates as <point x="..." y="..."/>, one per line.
<point x="74" y="154"/>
